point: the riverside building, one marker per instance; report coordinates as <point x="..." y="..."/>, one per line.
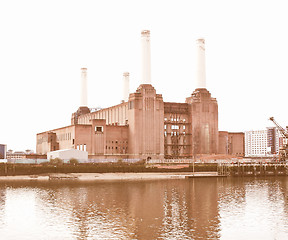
<point x="142" y="126"/>
<point x="3" y="151"/>
<point x="261" y="143"/>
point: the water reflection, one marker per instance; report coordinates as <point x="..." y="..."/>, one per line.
<point x="236" y="208"/>
<point x="254" y="209"/>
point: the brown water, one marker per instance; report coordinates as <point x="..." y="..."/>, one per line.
<point x="232" y="208"/>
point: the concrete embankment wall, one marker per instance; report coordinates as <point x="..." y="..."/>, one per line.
<point x="8" y="169"/>
<point x="30" y="169"/>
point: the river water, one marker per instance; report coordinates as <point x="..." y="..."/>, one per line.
<point x="202" y="208"/>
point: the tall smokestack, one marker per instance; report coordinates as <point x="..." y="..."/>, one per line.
<point x="200" y="64"/>
<point x="83" y="102"/>
<point x="125" y="86"/>
<point x="146" y="57"/>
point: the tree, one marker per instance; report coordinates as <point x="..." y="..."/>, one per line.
<point x="56" y="161"/>
<point x="73" y="161"/>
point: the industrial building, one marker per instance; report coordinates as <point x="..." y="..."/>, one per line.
<point x="231" y="143"/>
<point x="143" y="126"/>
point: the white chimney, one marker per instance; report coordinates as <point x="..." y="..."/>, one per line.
<point x="146" y="57"/>
<point x="200" y="64"/>
<point x="83" y="102"/>
<point x="125" y="86"/>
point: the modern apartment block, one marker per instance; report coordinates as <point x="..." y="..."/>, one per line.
<point x="273" y="140"/>
<point x="262" y="143"/>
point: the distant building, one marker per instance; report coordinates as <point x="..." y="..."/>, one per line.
<point x="16" y="155"/>
<point x="273" y="140"/>
<point x="231" y="143"/>
<point x="262" y="143"/>
<point x="28" y="154"/>
<point x="3" y="151"/>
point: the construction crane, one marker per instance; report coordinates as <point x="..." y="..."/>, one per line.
<point x="283" y="151"/>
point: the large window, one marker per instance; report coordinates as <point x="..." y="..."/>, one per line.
<point x="98" y="129"/>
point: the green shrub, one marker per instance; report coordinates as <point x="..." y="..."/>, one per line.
<point x="56" y="161"/>
<point x="73" y="161"/>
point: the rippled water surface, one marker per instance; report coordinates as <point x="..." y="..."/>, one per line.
<point x="202" y="208"/>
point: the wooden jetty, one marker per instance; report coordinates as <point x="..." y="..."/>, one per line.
<point x="254" y="169"/>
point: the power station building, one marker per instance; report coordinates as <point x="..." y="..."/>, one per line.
<point x="143" y="126"/>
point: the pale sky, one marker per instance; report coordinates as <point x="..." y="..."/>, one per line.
<point x="44" y="44"/>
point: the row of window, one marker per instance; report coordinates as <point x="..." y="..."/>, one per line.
<point x="81" y="147"/>
<point x="64" y="136"/>
<point x="175" y="127"/>
<point x="116" y="148"/>
<point x="174" y="119"/>
<point x="116" y="141"/>
<point x="174" y="133"/>
<point x="110" y="114"/>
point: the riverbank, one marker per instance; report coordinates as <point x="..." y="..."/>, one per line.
<point x="46" y="169"/>
<point x="107" y="176"/>
<point x="119" y="171"/>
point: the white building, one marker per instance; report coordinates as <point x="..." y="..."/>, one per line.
<point x="67" y="154"/>
<point x="261" y="143"/>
